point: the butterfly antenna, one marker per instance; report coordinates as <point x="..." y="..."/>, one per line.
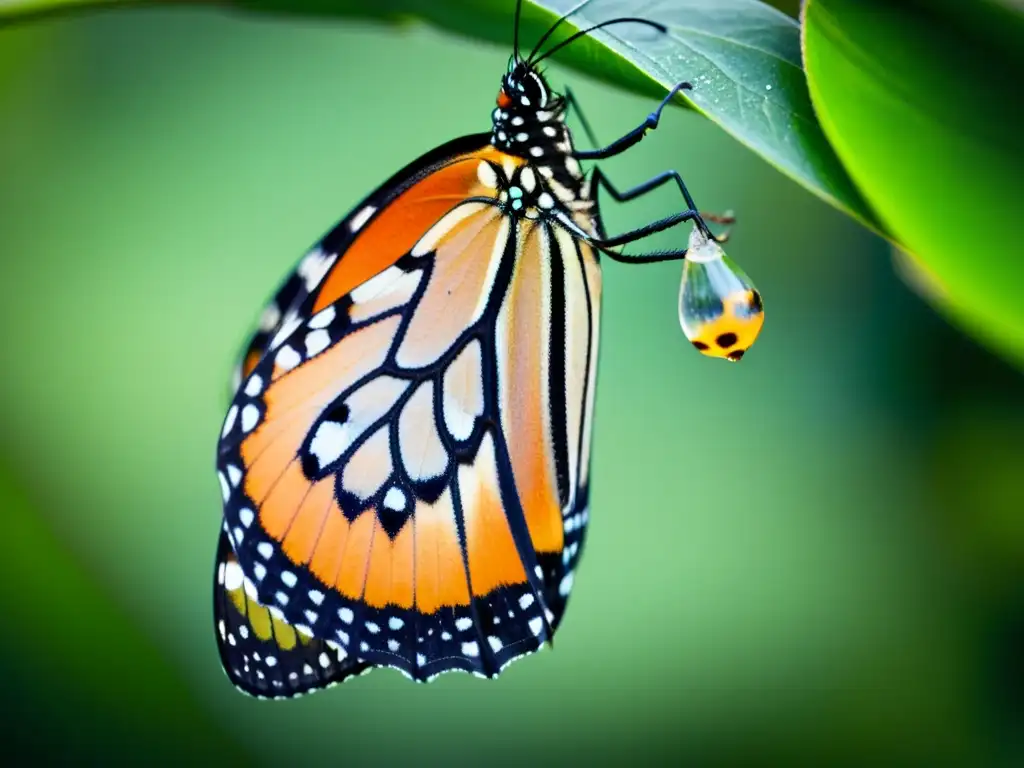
<point x="584" y="32"/>
<point x="553" y="27"/>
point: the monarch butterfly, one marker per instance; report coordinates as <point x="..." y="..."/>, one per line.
<point x="404" y="463"/>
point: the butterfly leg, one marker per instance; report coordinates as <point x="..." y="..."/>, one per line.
<point x="625" y="143"/>
<point x="691" y="214"/>
<point x="602" y="181"/>
<point x="633" y="137"/>
<point x="606" y="244"/>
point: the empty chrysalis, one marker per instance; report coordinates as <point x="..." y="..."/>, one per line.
<point x="720" y="310"/>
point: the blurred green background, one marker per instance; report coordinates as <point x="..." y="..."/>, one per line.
<point x="812" y="557"/>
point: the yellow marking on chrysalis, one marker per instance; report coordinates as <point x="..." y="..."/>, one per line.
<point x="720" y="310"/>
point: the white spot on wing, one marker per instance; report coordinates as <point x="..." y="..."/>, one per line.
<point x="377" y="285"/>
<point x="566" y="585"/>
<point x="250" y="417"/>
<point x="254" y="385"/>
<point x="395" y="499"/>
<point x="376" y="298"/>
<point x="233" y="576"/>
<point x="229" y="420"/>
<point x="330" y="441"/>
<point x="463" y="397"/>
<point x="314" y="266"/>
<point x="316" y="342"/>
<point x="287" y="358"/>
<point x="250" y="589"/>
<point x="434" y="235"/>
<point x="323" y="318"/>
<point x="361" y="218"/>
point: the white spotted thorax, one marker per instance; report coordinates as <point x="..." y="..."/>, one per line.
<point x="529" y="122"/>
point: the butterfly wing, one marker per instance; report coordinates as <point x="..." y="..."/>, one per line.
<point x="262" y="654"/>
<point x="405" y="468"/>
<point x="289" y="295"/>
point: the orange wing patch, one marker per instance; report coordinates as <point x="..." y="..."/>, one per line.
<point x="493" y="558"/>
<point x="397" y="228"/>
<point x="440" y="574"/>
<point x="524" y="328"/>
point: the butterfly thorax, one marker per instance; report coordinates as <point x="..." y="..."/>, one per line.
<point x="529" y="122"/>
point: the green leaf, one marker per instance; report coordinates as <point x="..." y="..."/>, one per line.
<point x="742" y="56"/>
<point x="923" y="116"/>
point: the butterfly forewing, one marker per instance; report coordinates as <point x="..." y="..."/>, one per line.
<point x="404" y="467"/>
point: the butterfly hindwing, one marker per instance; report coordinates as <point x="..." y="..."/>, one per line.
<point x="262" y="653"/>
<point x="404" y="468"/>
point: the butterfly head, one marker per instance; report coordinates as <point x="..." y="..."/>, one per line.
<point x="527" y="120"/>
<point x="523" y="85"/>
